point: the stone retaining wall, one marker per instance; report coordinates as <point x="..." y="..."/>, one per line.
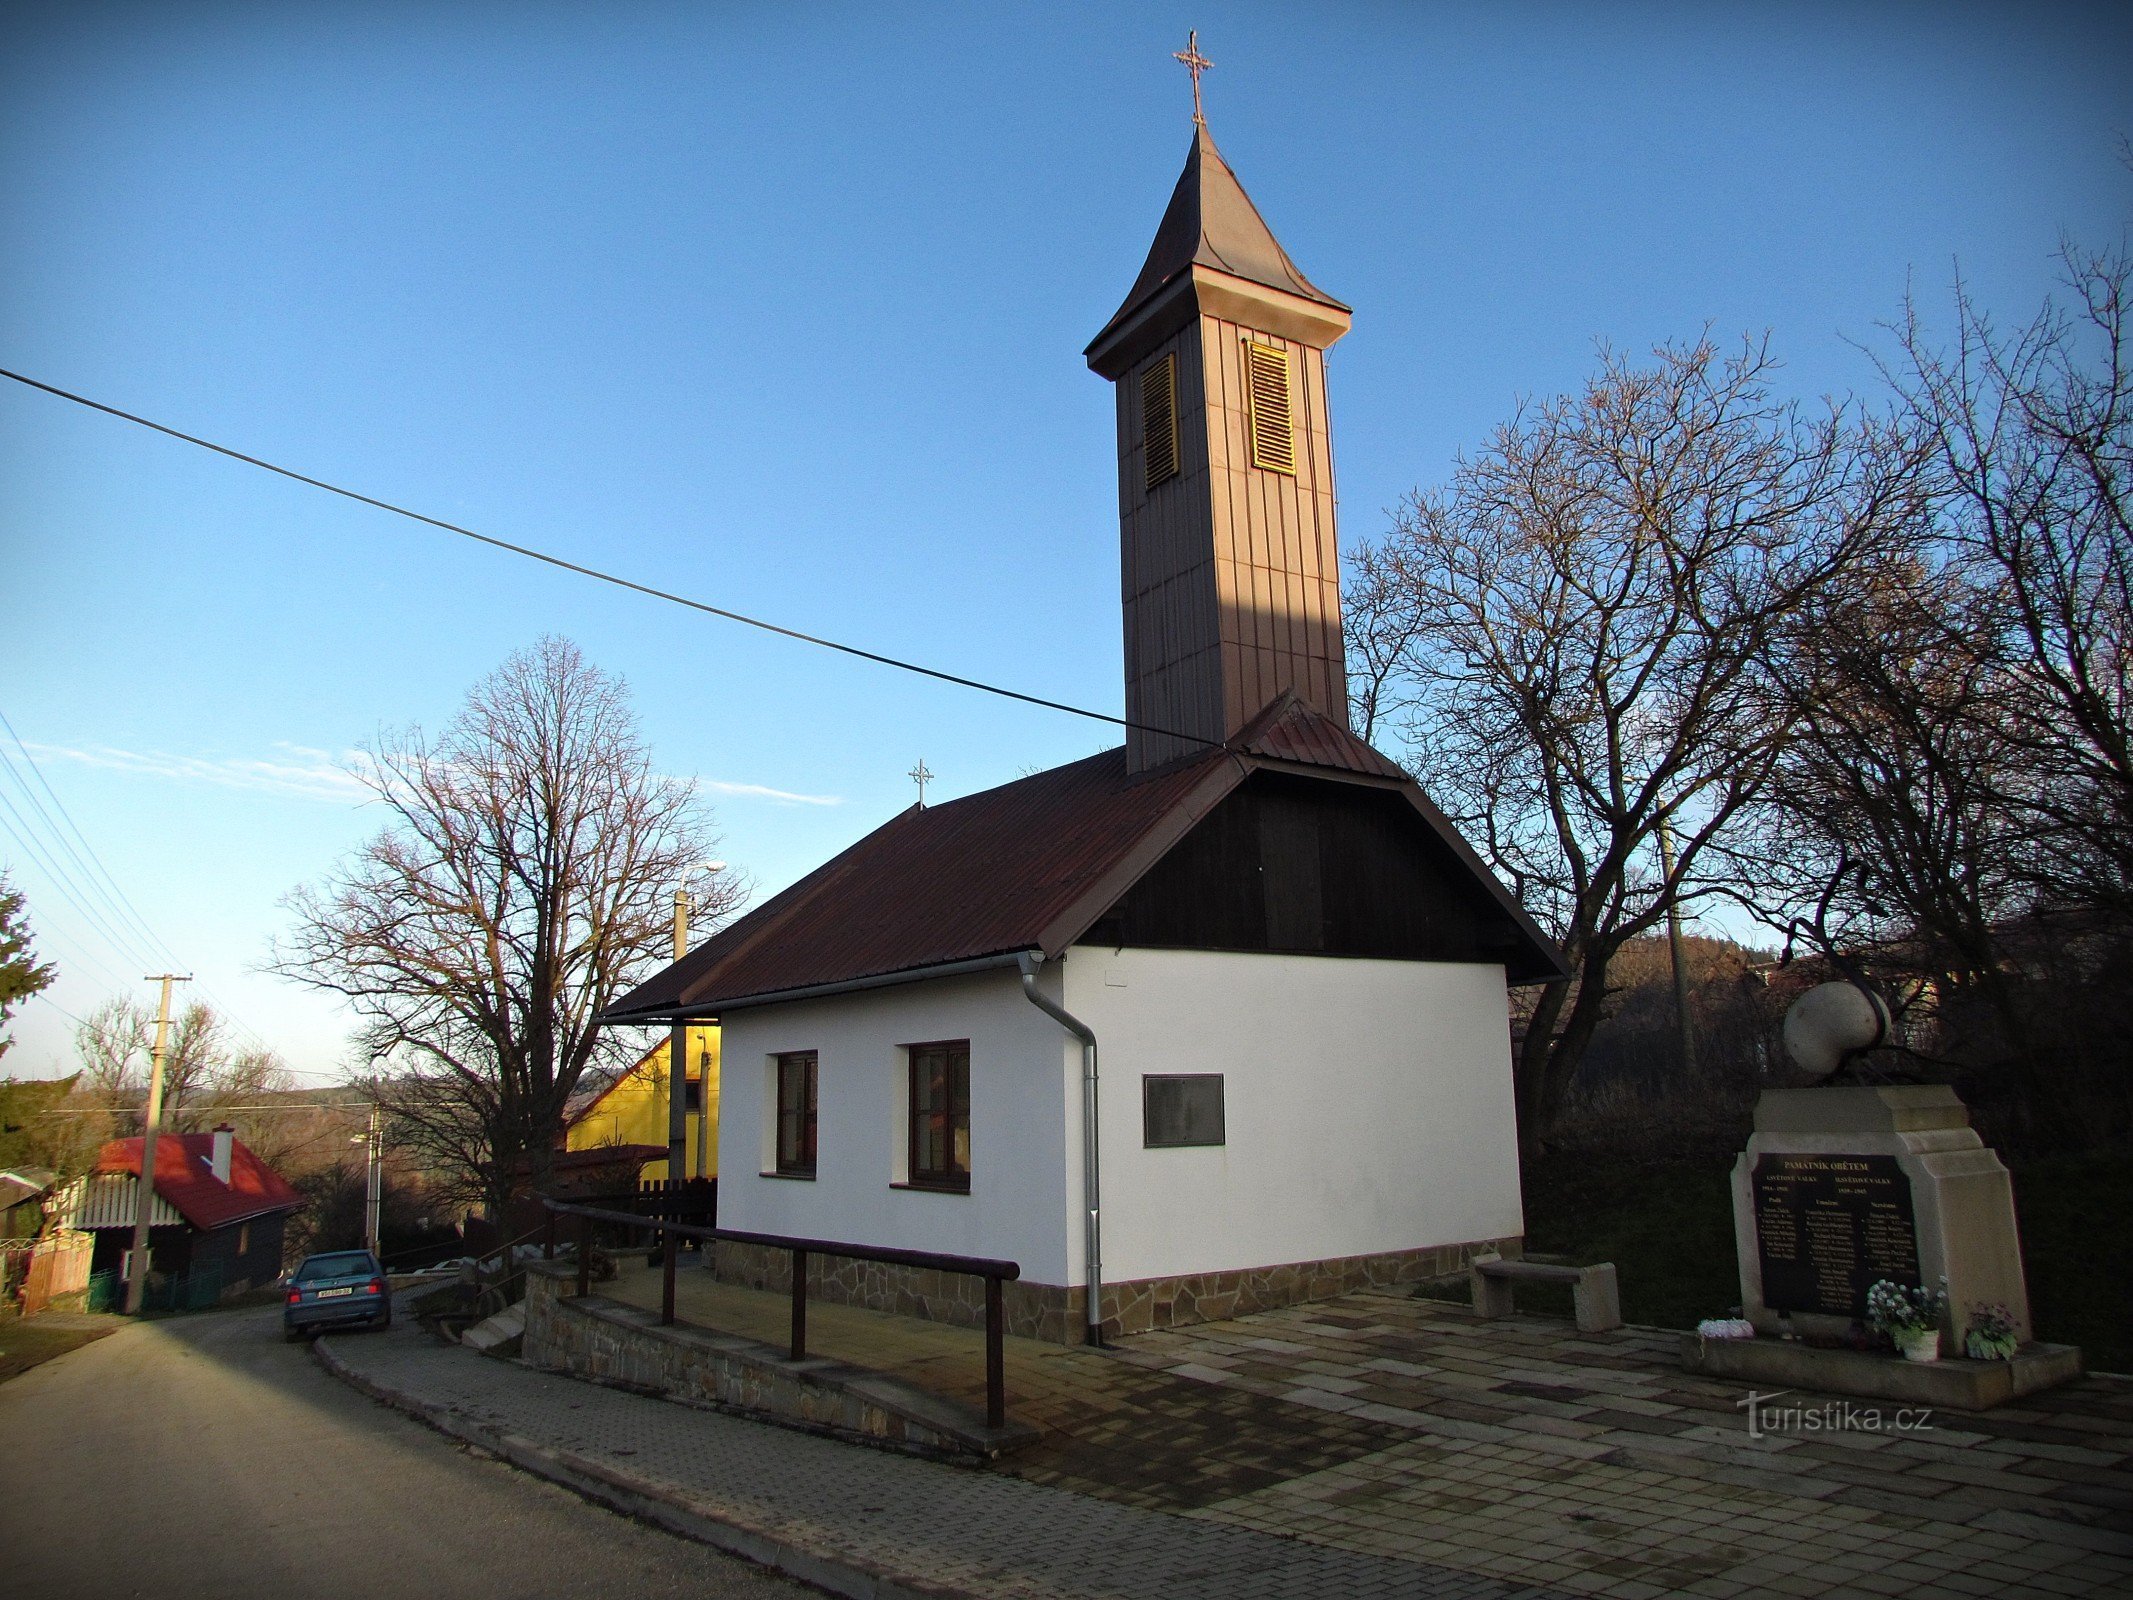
<point x="609" y="1342"/>
<point x="1054" y="1314"/>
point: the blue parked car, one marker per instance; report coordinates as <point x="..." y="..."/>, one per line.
<point x="341" y="1288"/>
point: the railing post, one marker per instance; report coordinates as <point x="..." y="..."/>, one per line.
<point x="799" y="1305"/>
<point x="585" y="1256"/>
<point x="995" y="1357"/>
<point x="669" y="1259"/>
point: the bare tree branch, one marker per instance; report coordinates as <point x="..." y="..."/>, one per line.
<point x="520" y="886"/>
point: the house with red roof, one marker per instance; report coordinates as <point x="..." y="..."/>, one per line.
<point x="1208" y="1023"/>
<point x="218" y="1218"/>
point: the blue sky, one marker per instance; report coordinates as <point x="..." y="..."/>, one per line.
<point x="783" y="306"/>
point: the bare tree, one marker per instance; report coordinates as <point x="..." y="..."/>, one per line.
<point x="1959" y="796"/>
<point x="112" y="1044"/>
<point x="1379" y="621"/>
<point x="2032" y="439"/>
<point x="1590" y="607"/>
<point x="206" y="1080"/>
<point x="521" y="884"/>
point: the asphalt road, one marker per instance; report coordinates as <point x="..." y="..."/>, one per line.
<point x="202" y="1456"/>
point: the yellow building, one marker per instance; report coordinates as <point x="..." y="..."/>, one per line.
<point x="633" y="1110"/>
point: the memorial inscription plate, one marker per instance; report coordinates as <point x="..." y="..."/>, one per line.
<point x="1828" y="1226"/>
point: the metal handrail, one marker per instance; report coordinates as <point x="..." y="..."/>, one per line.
<point x="994" y="1273"/>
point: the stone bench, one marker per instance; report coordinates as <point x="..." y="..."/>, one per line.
<point x="1594" y="1292"/>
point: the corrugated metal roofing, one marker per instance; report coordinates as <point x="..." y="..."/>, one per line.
<point x="109" y="1200"/>
<point x="1026" y="866"/>
<point x="972" y="877"/>
<point x="185" y="1178"/>
<point x="1289" y="730"/>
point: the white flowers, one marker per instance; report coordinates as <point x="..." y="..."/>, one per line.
<point x="1896" y="1308"/>
<point x="1725" y="1328"/>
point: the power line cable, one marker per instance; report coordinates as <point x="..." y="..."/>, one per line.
<point x="132" y="911"/>
<point x="62" y="1010"/>
<point x="50" y="847"/>
<point x="595" y="573"/>
<point x="63" y="885"/>
<point x="125" y="947"/>
<point x="49" y="929"/>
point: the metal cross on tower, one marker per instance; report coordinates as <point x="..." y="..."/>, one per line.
<point x="920" y="776"/>
<point x="1195" y="63"/>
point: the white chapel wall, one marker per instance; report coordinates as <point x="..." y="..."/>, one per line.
<point x="1368" y="1103"/>
<point x="1020" y="1202"/>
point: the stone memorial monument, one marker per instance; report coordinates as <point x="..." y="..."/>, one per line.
<point x="1842" y="1186"/>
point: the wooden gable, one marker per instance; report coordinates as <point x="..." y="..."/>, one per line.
<point x="1296" y="865"/>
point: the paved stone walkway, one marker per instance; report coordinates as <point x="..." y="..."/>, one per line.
<point x="1595" y="1464"/>
<point x="860" y="1521"/>
<point x="1524" y="1451"/>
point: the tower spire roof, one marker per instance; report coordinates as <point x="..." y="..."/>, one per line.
<point x="1211" y="222"/>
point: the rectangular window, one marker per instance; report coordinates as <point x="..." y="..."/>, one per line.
<point x="1159" y="421"/>
<point x="244" y="1239"/>
<point x="1266" y="387"/>
<point x="940" y="1115"/>
<point x="796" y="1114"/>
<point x="1181" y="1109"/>
<point x="692" y="1096"/>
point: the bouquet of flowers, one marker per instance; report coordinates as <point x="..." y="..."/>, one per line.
<point x="1909" y="1316"/>
<point x="1897" y="1308"/>
<point x="1992" y="1333"/>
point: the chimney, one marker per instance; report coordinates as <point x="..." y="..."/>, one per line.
<point x="219" y="1162"/>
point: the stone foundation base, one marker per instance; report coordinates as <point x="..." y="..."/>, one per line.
<point x="1964" y="1385"/>
<point x="1033" y="1310"/>
<point x="1055" y="1314"/>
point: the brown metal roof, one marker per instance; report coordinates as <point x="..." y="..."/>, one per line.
<point x="1211" y="222"/>
<point x="1026" y="866"/>
<point x="1290" y="730"/>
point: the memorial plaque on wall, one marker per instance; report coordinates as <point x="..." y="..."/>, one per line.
<point x="1828" y="1226"/>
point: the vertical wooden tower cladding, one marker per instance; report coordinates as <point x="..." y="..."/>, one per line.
<point x="1230" y="566"/>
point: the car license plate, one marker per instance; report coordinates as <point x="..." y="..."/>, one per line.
<point x="328" y="1294"/>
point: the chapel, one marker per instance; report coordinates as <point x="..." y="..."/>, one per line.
<point x="1208" y="1023"/>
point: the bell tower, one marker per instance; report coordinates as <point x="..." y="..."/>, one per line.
<point x="1230" y="567"/>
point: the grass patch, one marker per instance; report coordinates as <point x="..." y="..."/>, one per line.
<point x="24" y="1345"/>
<point x="1668" y="1228"/>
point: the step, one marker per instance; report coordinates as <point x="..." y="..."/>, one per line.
<point x="499" y="1335"/>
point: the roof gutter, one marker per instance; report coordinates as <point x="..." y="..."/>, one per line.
<point x="1092" y="1209"/>
<point x="813" y="991"/>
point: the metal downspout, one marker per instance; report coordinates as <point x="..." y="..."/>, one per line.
<point x="1092" y="1210"/>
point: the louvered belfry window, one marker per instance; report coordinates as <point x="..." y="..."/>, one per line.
<point x="1159" y="421"/>
<point x="1266" y="382"/>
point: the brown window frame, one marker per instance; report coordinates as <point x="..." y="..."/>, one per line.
<point x="796" y="1156"/>
<point x="917" y="1174"/>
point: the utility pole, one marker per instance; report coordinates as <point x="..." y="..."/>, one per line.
<point x="678" y="1043"/>
<point x="1674" y="948"/>
<point x="374" y="1184"/>
<point x="678" y="1059"/>
<point x="151" y="1125"/>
